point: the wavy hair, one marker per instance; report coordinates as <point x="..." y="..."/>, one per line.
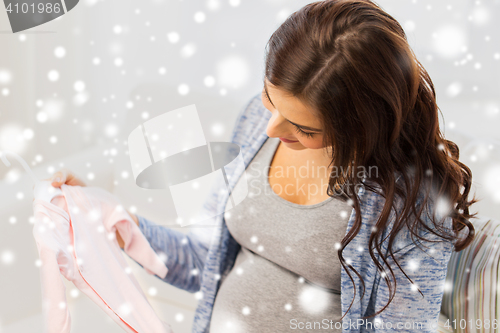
<point x="351" y="63"/>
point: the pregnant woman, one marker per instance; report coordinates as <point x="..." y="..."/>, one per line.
<point x="356" y="200"/>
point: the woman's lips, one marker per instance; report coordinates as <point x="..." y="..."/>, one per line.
<point x="288" y="141"/>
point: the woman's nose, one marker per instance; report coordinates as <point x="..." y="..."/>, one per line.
<point x="277" y="126"/>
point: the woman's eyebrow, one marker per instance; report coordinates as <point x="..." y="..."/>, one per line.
<point x="267" y="94"/>
<point x="301" y="126"/>
<point x="305" y="127"/>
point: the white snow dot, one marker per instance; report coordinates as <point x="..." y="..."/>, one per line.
<point x="53" y="139"/>
<point x="7" y="257"/>
<point x="173" y="37"/>
<point x="59" y="52"/>
<point x="183" y="89"/>
<point x="162" y="255"/>
<point x="233" y="71"/>
<point x="245" y="310"/>
<point x="5" y="91"/>
<point x="96" y="61"/>
<point x="199" y="17"/>
<point x="313" y="299"/>
<point x="448" y="40"/>
<point x="282" y="15"/>
<point x="217" y="129"/>
<point x="213" y="4"/>
<point x="234" y="3"/>
<point x="209" y="81"/>
<point x="111" y="130"/>
<point x="125" y="309"/>
<point x="53" y="75"/>
<point x="288" y="306"/>
<point x="454" y="89"/>
<point x="74" y="292"/>
<point x="480" y="15"/>
<point x="409" y="26"/>
<point x="118" y="62"/>
<point x="28" y="133"/>
<point x="79" y="86"/>
<point x="162" y="70"/>
<point x="179" y="317"/>
<point x="152" y="291"/>
<point x="5" y="76"/>
<point x="413" y="265"/>
<point x="117" y="29"/>
<point x="188" y="50"/>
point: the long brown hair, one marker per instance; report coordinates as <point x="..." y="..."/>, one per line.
<point x="351" y="63"/>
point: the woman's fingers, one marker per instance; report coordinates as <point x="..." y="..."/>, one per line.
<point x="59" y="178"/>
<point x="71" y="179"/>
<point x="65" y="176"/>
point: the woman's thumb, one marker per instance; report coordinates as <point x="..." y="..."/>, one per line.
<point x="58" y="178"/>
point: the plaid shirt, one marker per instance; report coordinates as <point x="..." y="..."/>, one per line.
<point x="213" y="257"/>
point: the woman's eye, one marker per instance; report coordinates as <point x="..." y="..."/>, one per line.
<point x="265" y="96"/>
<point x="309" y="135"/>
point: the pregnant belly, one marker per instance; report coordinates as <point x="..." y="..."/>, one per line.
<point x="260" y="296"/>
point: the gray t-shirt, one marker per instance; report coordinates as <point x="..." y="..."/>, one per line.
<point x="286" y="276"/>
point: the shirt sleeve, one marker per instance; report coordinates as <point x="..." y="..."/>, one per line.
<point x="409" y="311"/>
<point x="183" y="253"/>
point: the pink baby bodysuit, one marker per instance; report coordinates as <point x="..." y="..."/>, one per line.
<point x="75" y="236"/>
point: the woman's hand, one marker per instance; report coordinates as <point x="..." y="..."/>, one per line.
<point x="64" y="176"/>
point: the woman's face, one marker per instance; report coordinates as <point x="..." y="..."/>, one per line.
<point x="291" y="120"/>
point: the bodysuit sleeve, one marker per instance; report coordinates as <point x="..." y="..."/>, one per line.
<point x="136" y="246"/>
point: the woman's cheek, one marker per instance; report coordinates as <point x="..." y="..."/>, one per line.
<point x="312" y="143"/>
